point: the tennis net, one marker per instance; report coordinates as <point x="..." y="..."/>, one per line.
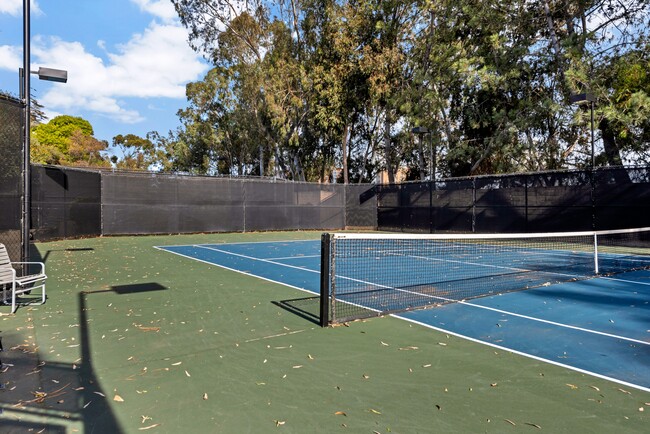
<point x="364" y="275"/>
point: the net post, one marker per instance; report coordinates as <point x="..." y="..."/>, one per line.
<point x="595" y="252"/>
<point x="325" y="279"/>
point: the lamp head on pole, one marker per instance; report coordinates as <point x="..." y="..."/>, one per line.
<point x="420" y="130"/>
<point x="51" y="74"/>
<point x="583" y="97"/>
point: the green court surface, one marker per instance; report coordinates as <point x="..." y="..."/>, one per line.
<point x="133" y="339"/>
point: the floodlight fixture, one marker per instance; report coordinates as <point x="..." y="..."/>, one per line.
<point x="582" y="97"/>
<point x="51" y="74"/>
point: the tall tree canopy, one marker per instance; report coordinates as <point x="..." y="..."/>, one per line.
<point x="67" y="140"/>
<point x="312" y="89"/>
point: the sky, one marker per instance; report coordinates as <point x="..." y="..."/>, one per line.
<point x="127" y="60"/>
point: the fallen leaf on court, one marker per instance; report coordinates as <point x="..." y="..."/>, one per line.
<point x="205" y="396"/>
<point x="187" y="373"/>
<point x="279" y="422"/>
<point x="297" y="366"/>
<point x="309" y="356"/>
<point x="572" y="386"/>
<point x="375" y="411"/>
<point x="428" y="365"/>
<point x="624" y="391"/>
<point x="99" y="393"/>
<point x="493" y="384"/>
<point x="438" y="407"/>
<point x="641" y="409"/>
<point x="442" y="343"/>
<point x="408" y="348"/>
<point x="176" y="364"/>
<point x="118" y="398"/>
<point x="510" y="422"/>
<point x="533" y="424"/>
<point x="340" y="413"/>
<point x="365" y="377"/>
<point x="145" y="418"/>
<point x="384" y="344"/>
<point x="595" y="388"/>
<point x="149" y="427"/>
<point x="149" y="329"/>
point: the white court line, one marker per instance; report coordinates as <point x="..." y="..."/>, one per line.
<point x="441" y="298"/>
<point x="437" y="328"/>
<point x="625" y="281"/>
<point x="521" y="353"/>
<point x="270" y="261"/>
<point x="228" y="243"/>
<point x="505" y="312"/>
<point x="234" y="269"/>
<point x="293" y="257"/>
<point x="558" y="324"/>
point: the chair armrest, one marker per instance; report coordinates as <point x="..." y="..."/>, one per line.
<point x="42" y="265"/>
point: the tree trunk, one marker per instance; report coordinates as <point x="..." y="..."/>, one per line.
<point x="388" y="148"/>
<point x="344" y="151"/>
<point x="612" y="152"/>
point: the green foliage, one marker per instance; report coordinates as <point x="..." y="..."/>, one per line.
<point x="323" y="85"/>
<point x="67" y="140"/>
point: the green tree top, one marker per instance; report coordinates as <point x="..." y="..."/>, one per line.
<point x="67" y="140"/>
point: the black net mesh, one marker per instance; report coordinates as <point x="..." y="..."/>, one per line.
<point x="158" y="203"/>
<point x="360" y="206"/>
<point x="11" y="185"/>
<point x="73" y="203"/>
<point x="622" y="198"/>
<point x="608" y="198"/>
<point x="375" y="274"/>
<point x="66" y="203"/>
<point x="149" y="204"/>
<point x="452" y="206"/>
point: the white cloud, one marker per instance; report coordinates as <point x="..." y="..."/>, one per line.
<point x="15" y="7"/>
<point x="163" y="9"/>
<point x="154" y="64"/>
<point x="11" y="58"/>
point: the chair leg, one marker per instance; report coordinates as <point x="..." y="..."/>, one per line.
<point x="13" y="298"/>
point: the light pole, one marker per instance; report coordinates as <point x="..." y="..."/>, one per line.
<point x="421" y="131"/>
<point x="49" y="74"/>
<point x="591" y="99"/>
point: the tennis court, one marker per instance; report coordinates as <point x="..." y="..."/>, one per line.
<point x="133" y="338"/>
<point x="597" y="326"/>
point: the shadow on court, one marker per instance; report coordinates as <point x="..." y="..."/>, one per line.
<point x="307" y="308"/>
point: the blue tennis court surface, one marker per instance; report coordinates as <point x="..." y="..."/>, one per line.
<point x="598" y="326"/>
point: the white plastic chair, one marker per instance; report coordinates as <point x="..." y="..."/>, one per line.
<point x="9" y="281"/>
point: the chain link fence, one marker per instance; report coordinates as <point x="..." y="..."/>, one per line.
<point x="71" y="203"/>
<point x="606" y="198"/>
<point x="11" y="181"/>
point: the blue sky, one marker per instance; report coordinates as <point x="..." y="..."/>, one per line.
<point x="127" y="60"/>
